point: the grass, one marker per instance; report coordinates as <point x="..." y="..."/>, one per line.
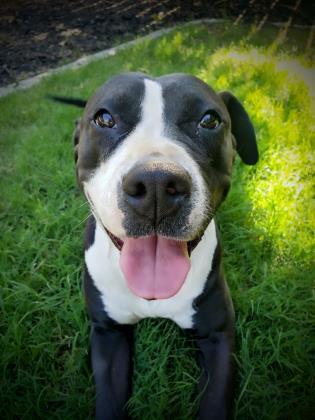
<point x="267" y="226"/>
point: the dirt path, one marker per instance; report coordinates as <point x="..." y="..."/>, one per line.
<point x="42" y="34"/>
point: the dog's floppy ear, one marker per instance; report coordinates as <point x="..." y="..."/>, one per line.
<point x="242" y="129"/>
<point x="76" y="138"/>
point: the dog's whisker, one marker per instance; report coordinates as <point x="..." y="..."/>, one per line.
<point x="83" y="204"/>
<point x="96" y="216"/>
<point x="82" y="221"/>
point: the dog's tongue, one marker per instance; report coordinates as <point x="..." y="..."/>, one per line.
<point x="154" y="267"/>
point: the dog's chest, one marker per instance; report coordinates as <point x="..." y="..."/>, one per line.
<point x="102" y="261"/>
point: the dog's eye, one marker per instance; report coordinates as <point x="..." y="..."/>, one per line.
<point x="104" y="119"/>
<point x="210" y="120"/>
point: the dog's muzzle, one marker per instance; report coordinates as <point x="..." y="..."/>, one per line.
<point x="155" y="191"/>
<point x="156" y="198"/>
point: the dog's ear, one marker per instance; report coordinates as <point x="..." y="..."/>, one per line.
<point x="242" y="129"/>
<point x="76" y="138"/>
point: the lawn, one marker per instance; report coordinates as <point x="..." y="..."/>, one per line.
<point x="267" y="226"/>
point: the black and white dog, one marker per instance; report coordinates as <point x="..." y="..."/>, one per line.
<point x="154" y="158"/>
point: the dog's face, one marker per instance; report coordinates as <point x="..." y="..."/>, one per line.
<point x="154" y="158"/>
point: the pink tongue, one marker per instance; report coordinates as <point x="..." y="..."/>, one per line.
<point x="154" y="267"/>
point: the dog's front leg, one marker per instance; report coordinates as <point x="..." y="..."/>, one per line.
<point x="214" y="336"/>
<point x="217" y="378"/>
<point x="111" y="361"/>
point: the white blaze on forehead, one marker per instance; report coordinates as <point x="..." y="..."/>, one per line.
<point x="152" y="106"/>
<point x="148" y="141"/>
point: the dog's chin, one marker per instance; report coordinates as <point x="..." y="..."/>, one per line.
<point x="154" y="266"/>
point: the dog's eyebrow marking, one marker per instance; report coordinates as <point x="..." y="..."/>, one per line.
<point x="152" y="107"/>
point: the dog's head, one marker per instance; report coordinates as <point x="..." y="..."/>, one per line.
<point x="154" y="158"/>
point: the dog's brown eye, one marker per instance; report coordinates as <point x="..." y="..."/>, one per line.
<point x="210" y="120"/>
<point x="104" y="119"/>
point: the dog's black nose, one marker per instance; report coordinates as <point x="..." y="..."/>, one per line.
<point x="156" y="190"/>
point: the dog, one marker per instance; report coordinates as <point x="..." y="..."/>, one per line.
<point x="154" y="158"/>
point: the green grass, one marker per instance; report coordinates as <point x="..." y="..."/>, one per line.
<point x="267" y="226"/>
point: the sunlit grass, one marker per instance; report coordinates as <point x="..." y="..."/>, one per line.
<point x="267" y="226"/>
<point x="281" y="106"/>
<point x="271" y="272"/>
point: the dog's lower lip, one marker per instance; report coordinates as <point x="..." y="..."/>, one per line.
<point x="116" y="241"/>
<point x="191" y="245"/>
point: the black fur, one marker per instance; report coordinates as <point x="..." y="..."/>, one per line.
<point x="186" y="100"/>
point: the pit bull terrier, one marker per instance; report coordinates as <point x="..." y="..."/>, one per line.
<point x="154" y="158"/>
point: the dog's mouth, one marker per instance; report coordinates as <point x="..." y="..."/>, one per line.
<point x="155" y="267"/>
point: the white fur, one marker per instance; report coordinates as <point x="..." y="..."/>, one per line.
<point x="102" y="261"/>
<point x="147" y="141"/>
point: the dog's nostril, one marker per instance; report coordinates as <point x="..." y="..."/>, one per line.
<point x="177" y="187"/>
<point x="171" y="189"/>
<point x="135" y="189"/>
<point x="139" y="190"/>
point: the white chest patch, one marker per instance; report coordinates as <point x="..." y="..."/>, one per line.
<point x="102" y="261"/>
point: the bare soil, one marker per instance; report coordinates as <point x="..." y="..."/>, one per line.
<point x="42" y="34"/>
